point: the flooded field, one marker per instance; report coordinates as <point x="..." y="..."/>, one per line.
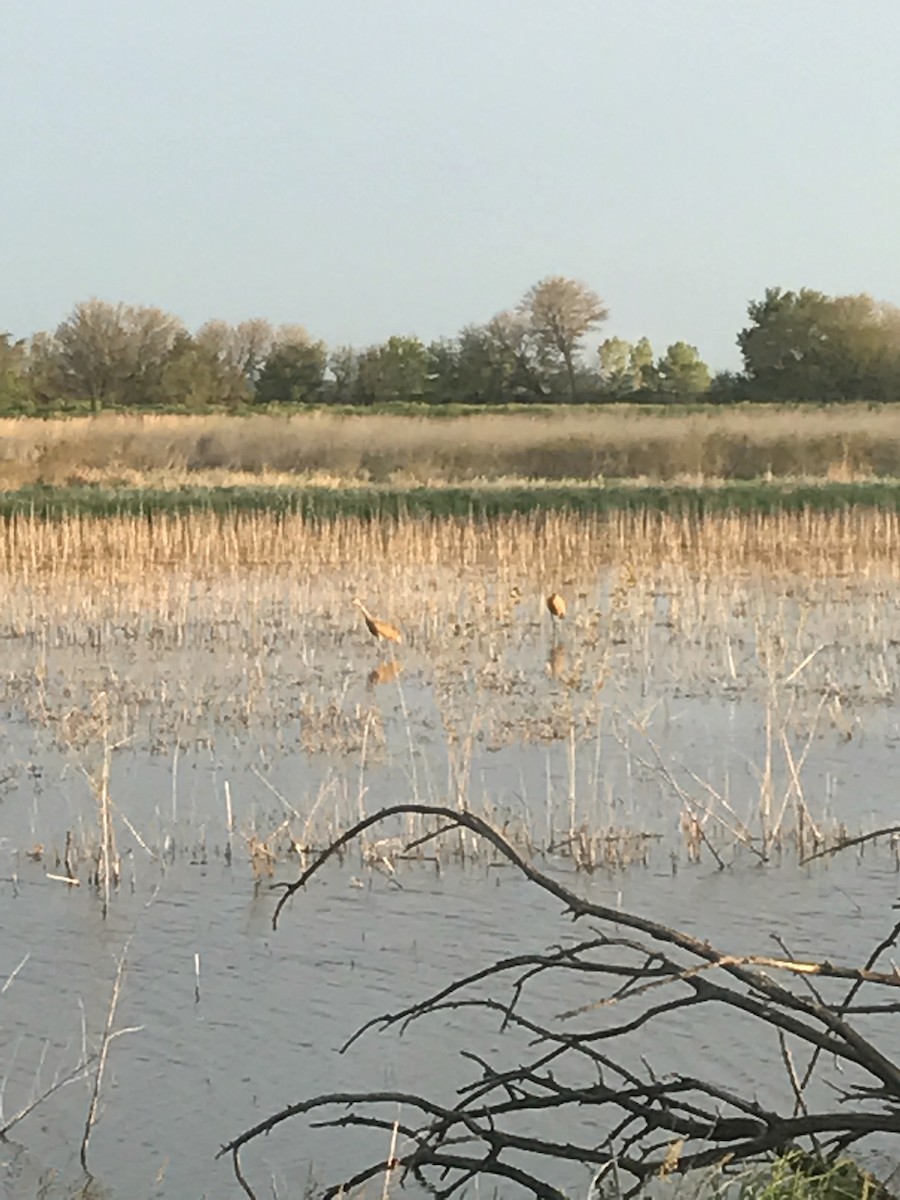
<point x="191" y="708"/>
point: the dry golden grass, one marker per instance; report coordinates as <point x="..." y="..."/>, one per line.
<point x="844" y="442"/>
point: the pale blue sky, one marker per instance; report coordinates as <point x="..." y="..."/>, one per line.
<point x="368" y="167"/>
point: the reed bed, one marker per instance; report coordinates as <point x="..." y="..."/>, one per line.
<point x="132" y="648"/>
<point x="542" y="547"/>
<point x="622" y="442"/>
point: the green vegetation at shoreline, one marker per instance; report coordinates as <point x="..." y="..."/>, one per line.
<point x="370" y="503"/>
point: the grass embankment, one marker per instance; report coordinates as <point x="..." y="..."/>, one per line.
<point x="743" y="443"/>
<point x="322" y="463"/>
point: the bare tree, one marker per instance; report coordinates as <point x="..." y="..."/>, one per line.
<point x="242" y="348"/>
<point x="89" y="352"/>
<point x="646" y="1118"/>
<point x="559" y="313"/>
<point x="106" y="353"/>
<point x="293" y="335"/>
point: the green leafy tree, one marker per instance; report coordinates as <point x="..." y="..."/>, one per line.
<point x="395" y="370"/>
<point x="499" y="362"/>
<point x="343" y="363"/>
<point x="863" y="349"/>
<point x="783" y="346"/>
<point x="445" y="383"/>
<point x="809" y="346"/>
<point x="461" y="370"/>
<point x="15" y="390"/>
<point x="481" y="366"/>
<point x="727" y="387"/>
<point x="559" y="312"/>
<point x="643" y="366"/>
<point x="192" y="377"/>
<point x="514" y="357"/>
<point x="618" y="375"/>
<point x="488" y="368"/>
<point x="294" y="370"/>
<point x="682" y="372"/>
<point x="43" y="373"/>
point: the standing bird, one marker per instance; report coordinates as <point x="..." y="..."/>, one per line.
<point x="557" y="605"/>
<point x="379" y="629"/>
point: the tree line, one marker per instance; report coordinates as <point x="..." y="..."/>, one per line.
<point x="796" y="346"/>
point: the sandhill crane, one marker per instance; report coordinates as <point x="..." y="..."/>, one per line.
<point x="377" y="628"/>
<point x="557" y="605"/>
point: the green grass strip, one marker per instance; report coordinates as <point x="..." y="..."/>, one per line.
<point x="478" y="502"/>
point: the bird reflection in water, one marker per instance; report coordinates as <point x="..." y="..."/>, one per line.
<point x="384" y="673"/>
<point x="557" y="661"/>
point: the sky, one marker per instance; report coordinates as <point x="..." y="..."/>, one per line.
<point x="377" y="167"/>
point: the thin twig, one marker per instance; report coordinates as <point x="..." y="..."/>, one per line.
<point x="105" y="1041"/>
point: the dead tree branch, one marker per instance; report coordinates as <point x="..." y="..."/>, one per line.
<point x="644" y="1121"/>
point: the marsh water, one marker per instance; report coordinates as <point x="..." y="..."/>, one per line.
<point x="246" y="732"/>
